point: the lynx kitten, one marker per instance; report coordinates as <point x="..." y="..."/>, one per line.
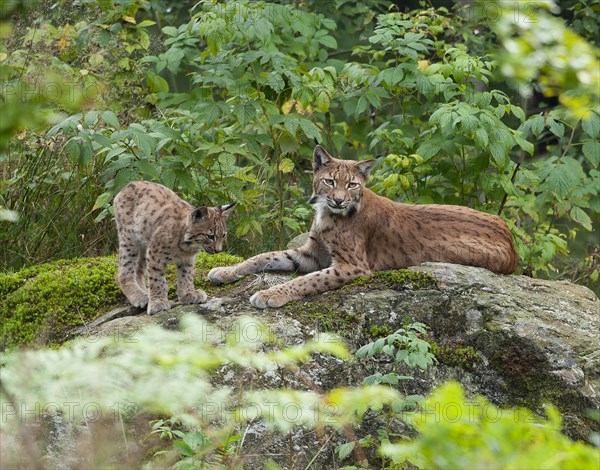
<point x="356" y="232"/>
<point x="156" y="228"/>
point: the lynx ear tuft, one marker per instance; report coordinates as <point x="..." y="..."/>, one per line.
<point x="227" y="209"/>
<point x="199" y="213"/>
<point x="320" y="158"/>
<point x="365" y="167"/>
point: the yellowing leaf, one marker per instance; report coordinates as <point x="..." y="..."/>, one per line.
<point x="286" y="107"/>
<point x="286" y="165"/>
<point x="61" y="43"/>
<point x="129" y="19"/>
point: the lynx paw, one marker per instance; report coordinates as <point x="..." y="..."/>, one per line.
<point x="138" y="300"/>
<point x="268" y="298"/>
<point x="194" y="297"/>
<point x="223" y="275"/>
<point x="158" y="305"/>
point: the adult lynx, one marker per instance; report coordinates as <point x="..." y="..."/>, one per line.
<point x="356" y="232"/>
<point x="156" y="228"/>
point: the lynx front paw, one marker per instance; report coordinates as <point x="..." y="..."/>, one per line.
<point x="223" y="275"/>
<point x="194" y="297"/>
<point x="268" y="298"/>
<point x="138" y="300"/>
<point x="158" y="305"/>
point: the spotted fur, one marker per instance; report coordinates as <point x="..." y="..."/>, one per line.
<point x="356" y="232"/>
<point x="156" y="228"/>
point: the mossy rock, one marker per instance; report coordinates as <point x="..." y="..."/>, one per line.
<point x="456" y="354"/>
<point x="328" y="312"/>
<point x="396" y="279"/>
<point x="39" y="305"/>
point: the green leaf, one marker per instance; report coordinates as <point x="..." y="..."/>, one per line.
<point x="580" y="216"/>
<point x="481" y="137"/>
<point x="245" y="112"/>
<point x="564" y="176"/>
<point x="311" y="131"/>
<point x="110" y="119"/>
<point x="102" y="200"/>
<point x="591" y="126"/>
<point x="361" y="106"/>
<point x="344" y="450"/>
<point x="148" y="170"/>
<point x="428" y="149"/>
<point x="328" y="41"/>
<point x="156" y="83"/>
<point x="499" y="154"/>
<point x="227" y="160"/>
<point x="170" y="31"/>
<point x="557" y="128"/>
<point x="524" y="144"/>
<point x="91" y="118"/>
<point x="518" y="112"/>
<point x="391" y="76"/>
<point x="591" y="150"/>
<point x="537" y="124"/>
<point x="146" y="23"/>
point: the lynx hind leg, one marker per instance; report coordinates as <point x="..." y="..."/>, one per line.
<point x="129" y="254"/>
<point x="141" y="269"/>
<point x="186" y="292"/>
<point x="305" y="259"/>
<point x="157" y="282"/>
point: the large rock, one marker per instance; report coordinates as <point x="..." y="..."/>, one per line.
<point x="515" y="340"/>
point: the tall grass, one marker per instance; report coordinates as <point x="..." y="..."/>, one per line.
<point x="53" y="197"/>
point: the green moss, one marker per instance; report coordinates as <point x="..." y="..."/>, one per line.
<point x="43" y="302"/>
<point x="40" y="304"/>
<point x="325" y="314"/>
<point x="396" y="279"/>
<point x="456" y="354"/>
<point x="377" y="331"/>
<point x="204" y="263"/>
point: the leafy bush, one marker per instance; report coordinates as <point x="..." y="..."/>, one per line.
<point x="101" y="387"/>
<point x="164" y="372"/>
<point x="458" y="433"/>
<point x="225" y="103"/>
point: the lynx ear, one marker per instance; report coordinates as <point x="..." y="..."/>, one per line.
<point x="365" y="167"/>
<point x="227" y="209"/>
<point x="199" y="213"/>
<point x="320" y="158"/>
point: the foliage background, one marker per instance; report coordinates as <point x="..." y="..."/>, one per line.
<point x="491" y="105"/>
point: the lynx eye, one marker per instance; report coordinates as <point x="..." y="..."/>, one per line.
<point x="211" y="237"/>
<point x="328" y="181"/>
<point x="353" y="185"/>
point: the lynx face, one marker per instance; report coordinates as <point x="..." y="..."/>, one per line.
<point x="207" y="229"/>
<point x="338" y="184"/>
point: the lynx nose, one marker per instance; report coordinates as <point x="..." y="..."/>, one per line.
<point x="338" y="201"/>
